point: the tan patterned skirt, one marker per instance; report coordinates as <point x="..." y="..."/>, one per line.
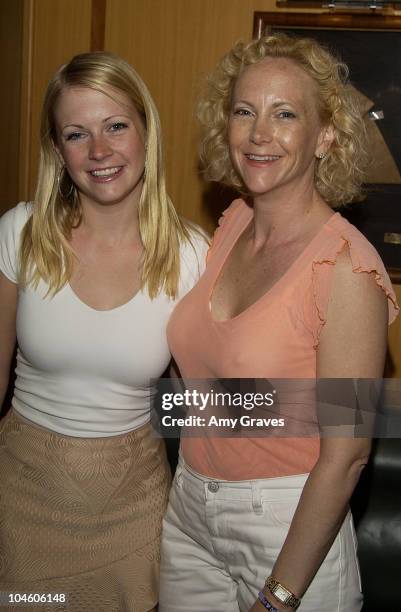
<point x="82" y="517"/>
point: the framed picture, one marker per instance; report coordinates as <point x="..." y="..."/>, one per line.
<point x="371" y="46"/>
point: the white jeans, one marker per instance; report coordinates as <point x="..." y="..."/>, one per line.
<point x="221" y="539"/>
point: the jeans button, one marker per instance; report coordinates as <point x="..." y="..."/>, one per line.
<point x="213" y="487"/>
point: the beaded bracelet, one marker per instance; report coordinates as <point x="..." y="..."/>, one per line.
<point x="266" y="603"/>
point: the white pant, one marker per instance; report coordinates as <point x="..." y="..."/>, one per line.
<point x="221" y="539"/>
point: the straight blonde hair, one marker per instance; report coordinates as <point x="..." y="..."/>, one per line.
<point x="46" y="253"/>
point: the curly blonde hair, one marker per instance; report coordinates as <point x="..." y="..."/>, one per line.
<point x="46" y="253"/>
<point x="339" y="175"/>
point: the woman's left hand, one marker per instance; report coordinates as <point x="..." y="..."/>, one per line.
<point x="259" y="607"/>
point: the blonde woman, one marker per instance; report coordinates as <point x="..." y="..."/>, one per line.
<point x="291" y="291"/>
<point x="89" y="274"/>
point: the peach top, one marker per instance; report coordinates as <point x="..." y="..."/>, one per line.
<point x="276" y="337"/>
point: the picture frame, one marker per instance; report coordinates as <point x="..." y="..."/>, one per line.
<point x="370" y="44"/>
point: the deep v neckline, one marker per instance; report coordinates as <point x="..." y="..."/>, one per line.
<point x="290" y="270"/>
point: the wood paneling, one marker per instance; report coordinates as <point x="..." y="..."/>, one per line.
<point x="173" y="44"/>
<point x="11" y="36"/>
<point x="98" y="24"/>
<point x="54" y="31"/>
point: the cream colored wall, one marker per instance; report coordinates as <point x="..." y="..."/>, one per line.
<point x="173" y="44"/>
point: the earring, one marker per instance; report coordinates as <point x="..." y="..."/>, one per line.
<point x="60" y="180"/>
<point x="321" y="155"/>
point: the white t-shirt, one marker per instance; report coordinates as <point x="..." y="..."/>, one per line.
<point x="85" y="372"/>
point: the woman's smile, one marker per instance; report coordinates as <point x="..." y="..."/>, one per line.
<point x="101" y="140"/>
<point x="274" y="128"/>
<point x="105" y="175"/>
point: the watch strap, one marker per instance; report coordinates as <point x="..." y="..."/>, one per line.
<point x="266" y="602"/>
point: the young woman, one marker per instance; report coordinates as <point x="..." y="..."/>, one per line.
<point x="89" y="274"/>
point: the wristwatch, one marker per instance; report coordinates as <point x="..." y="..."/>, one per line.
<point x="281" y="593"/>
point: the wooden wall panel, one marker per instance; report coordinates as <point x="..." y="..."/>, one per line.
<point x="98" y="25"/>
<point x="173" y="44"/>
<point x="11" y="29"/>
<point x="53" y="33"/>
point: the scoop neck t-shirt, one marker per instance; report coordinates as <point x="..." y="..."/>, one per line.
<point x="84" y="372"/>
<point x="276" y="337"/>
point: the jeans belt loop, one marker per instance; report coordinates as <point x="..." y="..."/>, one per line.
<point x="256" y="499"/>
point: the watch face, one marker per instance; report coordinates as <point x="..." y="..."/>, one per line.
<point x="281" y="593"/>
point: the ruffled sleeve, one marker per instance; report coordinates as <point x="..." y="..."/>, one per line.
<point x="364" y="258"/>
<point x="11" y="224"/>
<point x="223" y="224"/>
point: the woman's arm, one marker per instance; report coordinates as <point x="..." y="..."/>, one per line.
<point x="352" y="345"/>
<point x="8" y="308"/>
